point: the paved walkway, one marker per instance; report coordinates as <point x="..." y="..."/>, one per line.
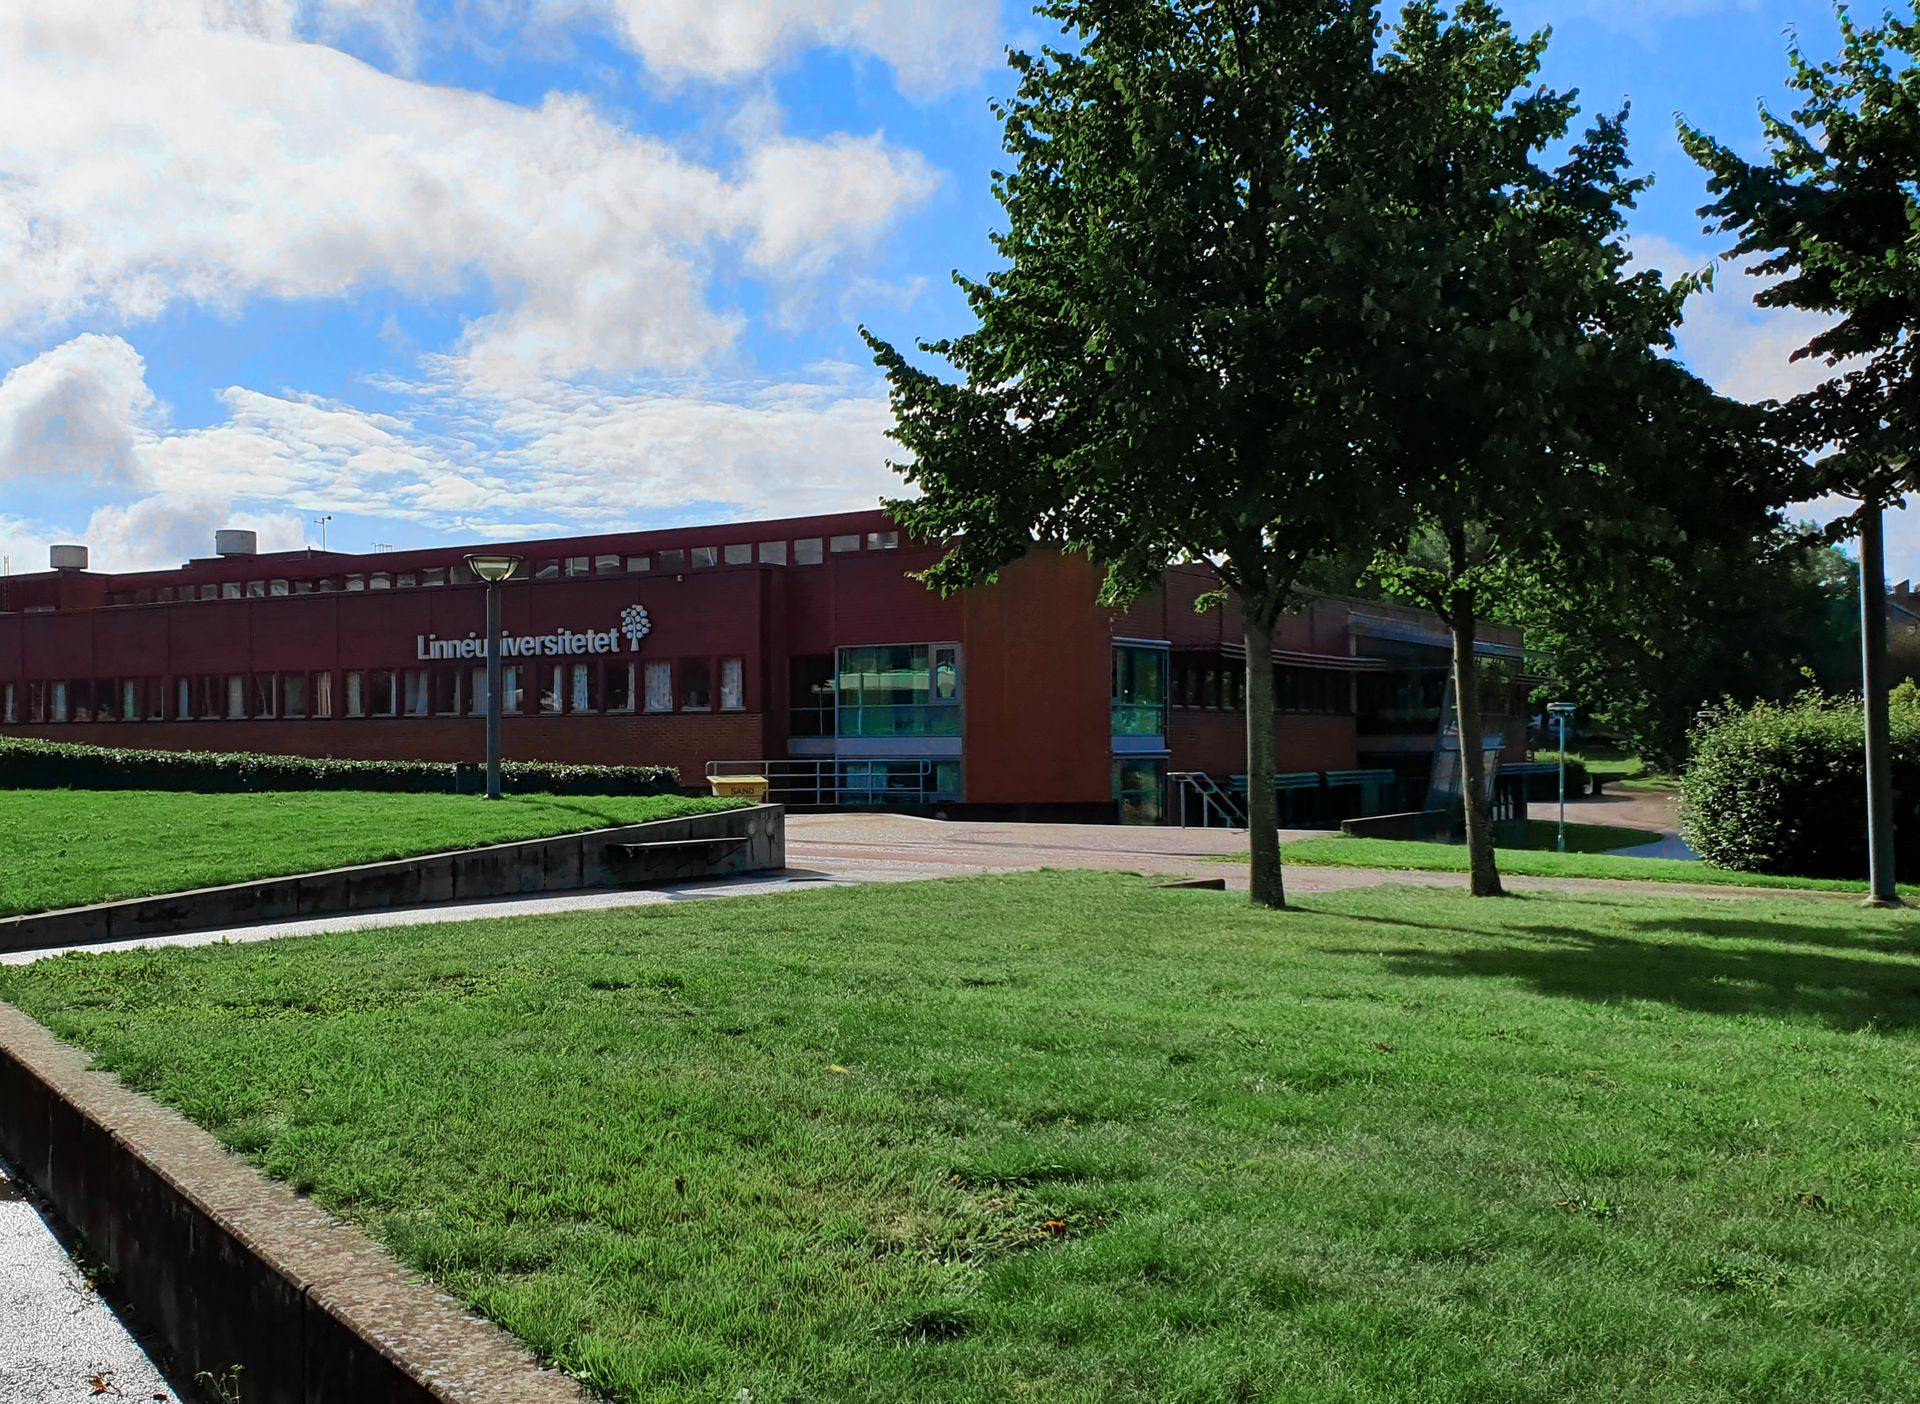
<point x="59" y="1343"/>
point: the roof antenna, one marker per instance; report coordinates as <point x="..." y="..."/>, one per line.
<point x="321" y="522"/>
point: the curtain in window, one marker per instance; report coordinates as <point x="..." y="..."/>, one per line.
<point x="733" y="689"/>
<point x="356" y="695"/>
<point x="659" y="687"/>
<point x="580" y="700"/>
<point x="236" y="697"/>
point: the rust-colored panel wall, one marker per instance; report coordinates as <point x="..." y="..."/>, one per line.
<point x="1039" y="679"/>
<point x="1216" y="742"/>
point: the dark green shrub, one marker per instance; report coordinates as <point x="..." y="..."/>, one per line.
<point x="1783" y="789"/>
<point x="59" y="765"/>
<point x="1548" y="787"/>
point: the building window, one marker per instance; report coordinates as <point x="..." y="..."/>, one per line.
<point x="293" y="696"/>
<point x="585" y="693"/>
<point x="733" y="684"/>
<point x="673" y="560"/>
<point x="303" y="587"/>
<point x="461" y="574"/>
<point x="264" y="695"/>
<point x="9" y="705"/>
<point x="445" y="683"/>
<point x="637" y="565"/>
<point x="230" y="590"/>
<point x="773" y="553"/>
<point x="406" y="580"/>
<point x="705" y="556"/>
<point x="209" y="592"/>
<point x="841" y="544"/>
<point x="276" y="587"/>
<point x="888" y="690"/>
<point x="810" y="690"/>
<point x="236" y="697"/>
<point x="416" y="696"/>
<point x="154" y="694"/>
<point x="619" y="687"/>
<point x="356" y="694"/>
<point x="739" y="555"/>
<point x="696" y="685"/>
<point x="36" y="701"/>
<point x="129" y="699"/>
<point x="57" y="703"/>
<point x="806" y="551"/>
<point x="659" y="687"/>
<point x="1140" y="691"/>
<point x="579" y="565"/>
<point x="164" y="594"/>
<point x="547" y="570"/>
<point x="553" y="682"/>
<point x="256" y="589"/>
<point x="511" y="696"/>
<point x="183" y="699"/>
<point x="606" y="565"/>
<point x="383" y="693"/>
<point x="883" y="540"/>
<point x="323" y="695"/>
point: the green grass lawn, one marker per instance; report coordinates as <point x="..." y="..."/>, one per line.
<point x="1342" y="851"/>
<point x="1064" y="1137"/>
<point x="67" y="848"/>
<point x="1584" y="838"/>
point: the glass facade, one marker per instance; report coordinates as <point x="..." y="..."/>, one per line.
<point x="899" y="690"/>
<point x="1139" y="691"/>
<point x="1140" y="788"/>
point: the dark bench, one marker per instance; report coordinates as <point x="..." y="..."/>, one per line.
<point x="670" y="860"/>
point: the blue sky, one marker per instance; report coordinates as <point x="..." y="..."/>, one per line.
<point x="520" y="267"/>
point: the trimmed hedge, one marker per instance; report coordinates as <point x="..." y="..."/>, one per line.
<point x="1783" y="789"/>
<point x="1578" y="782"/>
<point x="60" y="765"/>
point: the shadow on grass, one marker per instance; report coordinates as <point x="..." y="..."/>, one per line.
<point x="1847" y="993"/>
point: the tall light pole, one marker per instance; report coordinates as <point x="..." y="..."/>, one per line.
<point x="1562" y="712"/>
<point x="493" y="570"/>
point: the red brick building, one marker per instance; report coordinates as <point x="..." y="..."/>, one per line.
<point x="799" y="645"/>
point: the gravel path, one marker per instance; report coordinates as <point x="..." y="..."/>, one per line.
<point x="59" y="1343"/>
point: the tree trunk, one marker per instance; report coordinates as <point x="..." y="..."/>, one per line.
<point x="1473" y="765"/>
<point x="1263" y="808"/>
<point x="1881" y="891"/>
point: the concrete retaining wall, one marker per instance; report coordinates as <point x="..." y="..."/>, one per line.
<point x="230" y="1269"/>
<point x="730" y="842"/>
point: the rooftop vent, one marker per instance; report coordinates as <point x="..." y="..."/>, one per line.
<point x="68" y="558"/>
<point x="234" y="541"/>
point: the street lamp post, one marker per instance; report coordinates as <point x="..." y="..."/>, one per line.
<point x="493" y="570"/>
<point x="1561" y="712"/>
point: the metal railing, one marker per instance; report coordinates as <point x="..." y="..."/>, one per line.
<point x="839" y="782"/>
<point x="1199" y="802"/>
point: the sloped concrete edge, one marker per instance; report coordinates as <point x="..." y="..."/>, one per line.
<point x="230" y="1269"/>
<point x="723" y="844"/>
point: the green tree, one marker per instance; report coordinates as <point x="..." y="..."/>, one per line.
<point x="1693" y="622"/>
<point x="1165" y="367"/>
<point x="1520" y="377"/>
<point x="1832" y="219"/>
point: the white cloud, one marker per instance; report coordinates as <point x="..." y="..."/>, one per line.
<point x="1740" y="349"/>
<point x="73" y="414"/>
<point x="151" y="156"/>
<point x="470" y="458"/>
<point x="930" y="44"/>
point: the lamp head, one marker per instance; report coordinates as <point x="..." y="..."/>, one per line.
<point x="1560" y="709"/>
<point x="493" y="569"/>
